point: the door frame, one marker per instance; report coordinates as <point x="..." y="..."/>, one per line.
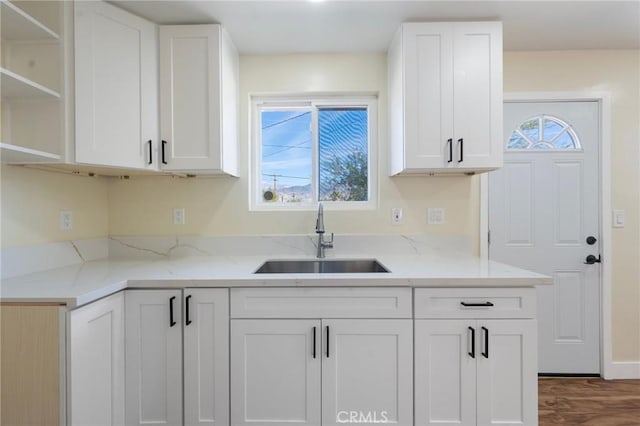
<point x="608" y="368"/>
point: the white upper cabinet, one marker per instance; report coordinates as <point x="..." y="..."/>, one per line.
<point x="198" y="99"/>
<point x="445" y="98"/>
<point x="116" y="87"/>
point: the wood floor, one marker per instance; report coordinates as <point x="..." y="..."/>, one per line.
<point x="590" y="401"/>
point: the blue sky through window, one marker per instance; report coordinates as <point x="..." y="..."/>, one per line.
<point x="287" y="154"/>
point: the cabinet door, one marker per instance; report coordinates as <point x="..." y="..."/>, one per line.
<point x="116" y="86"/>
<point x="206" y="357"/>
<point x="428" y="88"/>
<point x="275" y="373"/>
<point x="96" y="363"/>
<point x="445" y="372"/>
<point x="190" y="97"/>
<point x="153" y="357"/>
<point x="507" y="373"/>
<point x="477" y="92"/>
<point x="367" y="374"/>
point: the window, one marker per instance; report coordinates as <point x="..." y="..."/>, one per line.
<point x="544" y="132"/>
<point x="307" y="151"/>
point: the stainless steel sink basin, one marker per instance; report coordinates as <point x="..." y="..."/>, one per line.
<point x="354" y="266"/>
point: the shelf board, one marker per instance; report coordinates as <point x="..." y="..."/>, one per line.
<point x="18" y="154"/>
<point x="16" y="24"/>
<point x="14" y="85"/>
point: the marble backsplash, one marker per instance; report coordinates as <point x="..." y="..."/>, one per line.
<point x="23" y="260"/>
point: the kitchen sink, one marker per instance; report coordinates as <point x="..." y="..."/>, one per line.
<point x="352" y="266"/>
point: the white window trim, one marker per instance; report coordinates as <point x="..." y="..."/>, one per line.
<point x="307" y="100"/>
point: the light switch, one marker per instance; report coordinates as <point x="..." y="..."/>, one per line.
<point x="618" y="218"/>
<point x="435" y="216"/>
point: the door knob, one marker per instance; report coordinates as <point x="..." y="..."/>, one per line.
<point x="591" y="259"/>
<point x="591" y="240"/>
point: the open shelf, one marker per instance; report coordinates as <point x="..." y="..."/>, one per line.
<point x="16" y="86"/>
<point x="18" y="154"/>
<point x="19" y="25"/>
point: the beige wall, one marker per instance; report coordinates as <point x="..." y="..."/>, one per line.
<point x="215" y="206"/>
<point x="616" y="72"/>
<point x="219" y="206"/>
<point x="32" y="200"/>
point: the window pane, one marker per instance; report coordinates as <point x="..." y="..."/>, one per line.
<point x="343" y="154"/>
<point x="517" y="142"/>
<point x="565" y="141"/>
<point x="551" y="129"/>
<point x="531" y="129"/>
<point x="286" y="156"/>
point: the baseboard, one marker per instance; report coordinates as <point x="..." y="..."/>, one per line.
<point x="623" y="370"/>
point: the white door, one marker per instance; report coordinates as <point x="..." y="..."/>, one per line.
<point x="190" y="97"/>
<point x="96" y="363"/>
<point x="116" y="87"/>
<point x="206" y="357"/>
<point x="275" y="372"/>
<point x="367" y="373"/>
<point x="445" y="372"/>
<point x="506" y="373"/>
<point x="153" y="357"/>
<point x="544" y="206"/>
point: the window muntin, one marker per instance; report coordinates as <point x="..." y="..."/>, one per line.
<point x="543" y="133"/>
<point x="311" y="150"/>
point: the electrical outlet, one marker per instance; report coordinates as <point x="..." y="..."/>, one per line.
<point x="435" y="216"/>
<point x="66" y="220"/>
<point x="178" y="216"/>
<point x="396" y="216"/>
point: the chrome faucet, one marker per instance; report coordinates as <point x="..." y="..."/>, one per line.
<point x="322" y="244"/>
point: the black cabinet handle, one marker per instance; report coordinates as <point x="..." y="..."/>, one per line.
<point x="450" y="142"/>
<point x="461" y="142"/>
<point x="483" y="304"/>
<point x="472" y="354"/>
<point x="485" y="352"/>
<point x="327" y="341"/>
<point x="164" y="161"/>
<point x="314" y="343"/>
<point x="171" y="321"/>
<point x="150" y="152"/>
<point x="186" y="310"/>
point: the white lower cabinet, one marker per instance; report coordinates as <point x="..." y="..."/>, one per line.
<point x="474" y="371"/>
<point x="158" y="321"/>
<point x="319" y="371"/>
<point x="96" y="363"/>
<point x="275" y="372"/>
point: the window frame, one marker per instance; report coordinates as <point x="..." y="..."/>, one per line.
<point x="540" y="118"/>
<point x="313" y="102"/>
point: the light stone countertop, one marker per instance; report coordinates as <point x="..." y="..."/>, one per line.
<point x="82" y="283"/>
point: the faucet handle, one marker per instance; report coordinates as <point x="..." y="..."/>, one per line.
<point x="330" y="242"/>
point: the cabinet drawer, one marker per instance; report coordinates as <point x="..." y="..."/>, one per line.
<point x="313" y="302"/>
<point x="475" y="302"/>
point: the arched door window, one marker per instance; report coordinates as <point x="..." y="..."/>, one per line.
<point x="543" y="133"/>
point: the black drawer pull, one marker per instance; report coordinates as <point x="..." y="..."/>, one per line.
<point x="186" y="303"/>
<point x="171" y="321"/>
<point x="477" y="305"/>
<point x="485" y="353"/>
<point x="314" y="343"/>
<point x="327" y="341"/>
<point x="472" y="354"/>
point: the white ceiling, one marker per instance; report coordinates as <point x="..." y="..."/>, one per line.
<point x="296" y="26"/>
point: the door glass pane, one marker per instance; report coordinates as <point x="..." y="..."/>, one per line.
<point x="531" y="129"/>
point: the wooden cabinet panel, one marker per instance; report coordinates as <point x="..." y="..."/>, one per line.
<point x="30" y="352"/>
